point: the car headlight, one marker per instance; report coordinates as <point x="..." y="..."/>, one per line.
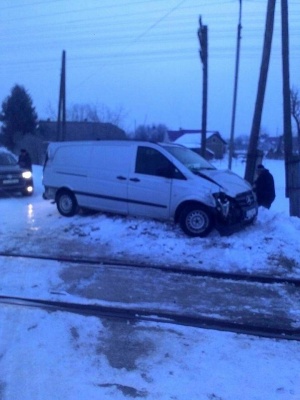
<point x="26" y="175"/>
<point x="223" y="203"/>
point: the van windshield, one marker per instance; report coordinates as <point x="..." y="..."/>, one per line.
<point x="193" y="161"/>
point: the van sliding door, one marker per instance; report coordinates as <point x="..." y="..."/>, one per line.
<point x="108" y="178"/>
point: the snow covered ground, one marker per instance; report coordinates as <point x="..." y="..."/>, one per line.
<point x="64" y="356"/>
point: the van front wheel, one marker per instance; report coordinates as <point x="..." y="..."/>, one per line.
<point x="195" y="221"/>
<point x="66" y="203"/>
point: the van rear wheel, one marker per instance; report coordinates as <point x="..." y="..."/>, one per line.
<point x="66" y="203"/>
<point x="196" y="221"/>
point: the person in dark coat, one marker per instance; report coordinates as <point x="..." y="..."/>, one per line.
<point x="25" y="160"/>
<point x="264" y="187"/>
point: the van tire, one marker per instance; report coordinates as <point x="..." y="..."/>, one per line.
<point x="66" y="203"/>
<point x="195" y="221"/>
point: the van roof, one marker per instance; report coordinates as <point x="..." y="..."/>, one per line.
<point x="112" y="142"/>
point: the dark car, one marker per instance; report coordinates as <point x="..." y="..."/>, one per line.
<point x="13" y="178"/>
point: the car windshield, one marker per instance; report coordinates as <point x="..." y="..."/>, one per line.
<point x="193" y="161"/>
<point x="7" y="159"/>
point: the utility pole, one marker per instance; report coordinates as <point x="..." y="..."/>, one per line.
<point x="292" y="162"/>
<point x="203" y="35"/>
<point x="253" y="155"/>
<point x="287" y="126"/>
<point x="237" y="62"/>
<point x="61" y="117"/>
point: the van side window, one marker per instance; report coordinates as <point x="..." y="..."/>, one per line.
<point x="151" y="162"/>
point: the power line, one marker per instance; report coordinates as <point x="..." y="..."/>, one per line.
<point x="146" y="31"/>
<point x="167" y="42"/>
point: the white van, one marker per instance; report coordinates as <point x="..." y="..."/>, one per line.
<point x="155" y="180"/>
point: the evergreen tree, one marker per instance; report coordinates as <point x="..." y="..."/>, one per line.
<point x="18" y="115"/>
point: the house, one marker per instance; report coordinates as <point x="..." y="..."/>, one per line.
<point x="215" y="144"/>
<point x="192" y="141"/>
<point x="36" y="144"/>
<point x="80" y="130"/>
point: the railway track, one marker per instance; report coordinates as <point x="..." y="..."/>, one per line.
<point x="92" y="262"/>
<point x="140" y="314"/>
<point x="183" y="315"/>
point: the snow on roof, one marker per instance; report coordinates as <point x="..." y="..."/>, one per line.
<point x="190" y="140"/>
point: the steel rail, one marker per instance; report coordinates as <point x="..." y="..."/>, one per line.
<point x="92" y="262"/>
<point x="139" y="314"/>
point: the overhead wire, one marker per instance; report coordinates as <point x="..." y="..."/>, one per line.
<point x="113" y="47"/>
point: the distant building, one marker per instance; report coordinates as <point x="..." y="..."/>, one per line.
<point x="273" y="147"/>
<point x="81" y="130"/>
<point x="46" y="132"/>
<point x="216" y="146"/>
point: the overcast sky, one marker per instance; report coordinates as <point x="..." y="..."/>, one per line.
<point x="143" y="56"/>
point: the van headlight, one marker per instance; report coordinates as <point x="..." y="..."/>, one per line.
<point x="26" y="175"/>
<point x="222" y="203"/>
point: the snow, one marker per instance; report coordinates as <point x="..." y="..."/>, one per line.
<point x="59" y="355"/>
<point x="189" y="140"/>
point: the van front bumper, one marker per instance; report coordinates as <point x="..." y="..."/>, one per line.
<point x="234" y="213"/>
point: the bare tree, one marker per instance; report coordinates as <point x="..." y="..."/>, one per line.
<point x="295" y="111"/>
<point x="96" y="113"/>
<point x="83" y="112"/>
<point x="50" y="111"/>
<point x="91" y="113"/>
<point x="155" y="133"/>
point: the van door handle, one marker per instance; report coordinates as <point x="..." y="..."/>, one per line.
<point x="134" y="179"/>
<point x="121" y="178"/>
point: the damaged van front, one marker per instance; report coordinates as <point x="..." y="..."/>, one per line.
<point x="224" y="200"/>
<point x="235" y="201"/>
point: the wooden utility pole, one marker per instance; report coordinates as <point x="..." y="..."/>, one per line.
<point x="203" y="35"/>
<point x="252" y="155"/>
<point x="61" y="117"/>
<point x="287" y="125"/>
<point x="292" y="162"/>
<point x="237" y="62"/>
